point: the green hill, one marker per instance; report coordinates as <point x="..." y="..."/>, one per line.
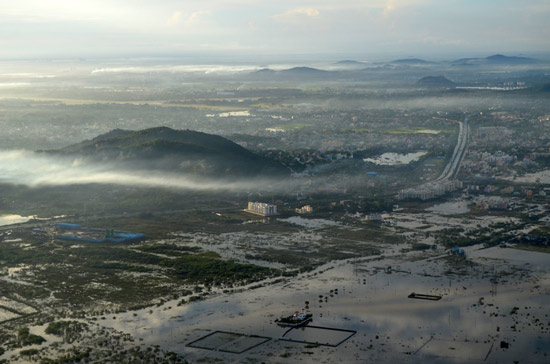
<point x="186" y="151"/>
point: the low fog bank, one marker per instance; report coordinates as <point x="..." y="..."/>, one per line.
<point x="33" y="169"/>
<point x="37" y="170"/>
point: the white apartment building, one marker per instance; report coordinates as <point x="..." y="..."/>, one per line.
<point x="262" y="208"/>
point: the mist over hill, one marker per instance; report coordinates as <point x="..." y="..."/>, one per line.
<point x="163" y="148"/>
<point x="495" y="60"/>
<point x="411" y="61"/>
<point x="294" y="73"/>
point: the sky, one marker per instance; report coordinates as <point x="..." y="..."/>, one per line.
<point x="104" y="28"/>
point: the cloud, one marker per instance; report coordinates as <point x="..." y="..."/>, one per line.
<point x="195" y="17"/>
<point x="188" y="19"/>
<point x="252" y="26"/>
<point x="297" y="14"/>
<point x="65" y="28"/>
<point x="38" y="169"/>
<point x="442" y="41"/>
<point x="175" y="18"/>
<point x="44" y="170"/>
<point x="389" y="8"/>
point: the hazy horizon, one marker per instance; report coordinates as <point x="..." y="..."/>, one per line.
<point x="313" y="181"/>
<point x="239" y="28"/>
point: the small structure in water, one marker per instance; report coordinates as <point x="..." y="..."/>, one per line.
<point x="297" y="319"/>
<point x="421" y="296"/>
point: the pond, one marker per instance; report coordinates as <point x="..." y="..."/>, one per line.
<point x="450" y="208"/>
<point x="391" y="159"/>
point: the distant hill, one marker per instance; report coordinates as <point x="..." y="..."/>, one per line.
<point x="163" y="148"/>
<point x="350" y="62"/>
<point x="304" y="71"/>
<point x="496" y="59"/>
<point x="410" y="61"/>
<point x="295" y="73"/>
<point x="264" y="71"/>
<point x="435" y="81"/>
<point x="499" y="58"/>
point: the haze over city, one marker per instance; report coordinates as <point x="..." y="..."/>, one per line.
<point x="274" y="182"/>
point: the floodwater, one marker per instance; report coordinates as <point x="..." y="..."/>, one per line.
<point x="450" y="208"/>
<point x="230" y="113"/>
<point x="309" y="223"/>
<point x="391" y="159"/>
<point x="541" y="177"/>
<point x="13" y="219"/>
<point x="495" y="88"/>
<point x="314" y="334"/>
<point x="493" y="301"/>
<point x="427" y="131"/>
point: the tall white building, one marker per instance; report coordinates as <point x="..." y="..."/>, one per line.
<point x="262" y="208"/>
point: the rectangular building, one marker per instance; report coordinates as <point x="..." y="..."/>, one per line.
<point x="261" y="208"/>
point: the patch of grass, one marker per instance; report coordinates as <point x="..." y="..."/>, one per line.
<point x="533" y="248"/>
<point x="167" y="249"/>
<point x="76" y="356"/>
<point x="69" y="330"/>
<point x="292" y="126"/>
<point x="458" y="264"/>
<point x="410" y="131"/>
<point x="25" y="338"/>
<point x="28" y="352"/>
<point x="208" y="268"/>
<point x="420" y="246"/>
<point x="280" y="256"/>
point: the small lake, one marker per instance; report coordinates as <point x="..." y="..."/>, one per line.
<point x="450" y="208"/>
<point x="392" y="159"/>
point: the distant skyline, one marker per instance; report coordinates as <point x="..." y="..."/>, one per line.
<point x="368" y="28"/>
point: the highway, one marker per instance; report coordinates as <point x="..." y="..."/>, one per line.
<point x="452" y="167"/>
<point x="446" y="181"/>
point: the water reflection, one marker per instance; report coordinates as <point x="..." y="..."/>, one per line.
<point x="390" y="327"/>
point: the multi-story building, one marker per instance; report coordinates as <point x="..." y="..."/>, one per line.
<point x="307" y="209"/>
<point x="262" y="208"/>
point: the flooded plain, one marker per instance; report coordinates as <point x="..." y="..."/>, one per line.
<point x="493" y="309"/>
